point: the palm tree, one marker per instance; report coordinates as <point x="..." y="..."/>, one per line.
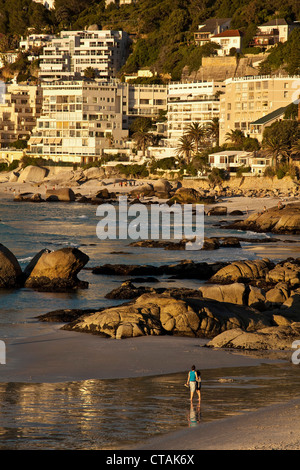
<point x="213" y="129"/>
<point x="295" y="150"/>
<point x="141" y="133"/>
<point x="275" y="148"/>
<point x="142" y="139"/>
<point x="195" y="132"/>
<point x="185" y="147"/>
<point x="235" y="136"/>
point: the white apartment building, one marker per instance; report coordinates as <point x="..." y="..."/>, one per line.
<point x="80" y="119"/>
<point x="70" y="54"/>
<point x="191" y="102"/>
<point x="20" y="106"/>
<point x="248" y="99"/>
<point x="146" y="100"/>
<point x="35" y="41"/>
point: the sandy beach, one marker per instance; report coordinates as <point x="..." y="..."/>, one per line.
<point x="61" y="356"/>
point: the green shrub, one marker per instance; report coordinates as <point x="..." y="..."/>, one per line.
<point x="217" y="176"/>
<point x="134" y="170"/>
<point x="269" y="172"/>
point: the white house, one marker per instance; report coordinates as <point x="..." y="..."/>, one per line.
<point x="232" y="160"/>
<point x="229" y="39"/>
<point x="277" y="27"/>
<point x="211" y="27"/>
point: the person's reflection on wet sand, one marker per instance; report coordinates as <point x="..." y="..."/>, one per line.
<point x="194" y="416"/>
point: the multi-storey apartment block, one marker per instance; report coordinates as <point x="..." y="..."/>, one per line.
<point x="20" y="106"/>
<point x="250" y="98"/>
<point x="146" y="100"/>
<point x="191" y="102"/>
<point x="80" y="119"/>
<point x="70" y="54"/>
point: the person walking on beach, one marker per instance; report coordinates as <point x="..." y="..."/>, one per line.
<point x="192" y="381"/>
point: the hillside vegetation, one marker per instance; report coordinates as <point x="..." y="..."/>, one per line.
<point x="161" y="30"/>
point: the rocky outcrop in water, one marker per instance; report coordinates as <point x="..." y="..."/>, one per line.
<point x="56" y="270"/>
<point x="240" y="271"/>
<point x="183" y="270"/>
<point x="51" y="271"/>
<point x="157" y="314"/>
<point x="270" y="338"/>
<point x="10" y="270"/>
<point x="280" y="219"/>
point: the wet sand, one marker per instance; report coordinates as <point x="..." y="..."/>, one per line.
<point x="59" y="355"/>
<point x="274" y="427"/>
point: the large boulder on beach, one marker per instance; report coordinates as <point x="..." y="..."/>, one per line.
<point x="279" y="219"/>
<point x="270" y="338"/>
<point x="190" y="196"/>
<point x="152" y="314"/>
<point x="10" y="270"/>
<point x="32" y="174"/>
<point x="94" y="172"/>
<point x="60" y="194"/>
<point x="217" y="210"/>
<point x="56" y="270"/>
<point x="242" y="271"/>
<point x="278" y="294"/>
<point x="145" y="190"/>
<point x="233" y="293"/>
<point x="288" y="272"/>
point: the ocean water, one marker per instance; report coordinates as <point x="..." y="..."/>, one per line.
<point x="100" y="414"/>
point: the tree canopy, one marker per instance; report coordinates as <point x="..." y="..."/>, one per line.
<point x="163" y="30"/>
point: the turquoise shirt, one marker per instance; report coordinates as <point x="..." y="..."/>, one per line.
<point x="192" y="376"/>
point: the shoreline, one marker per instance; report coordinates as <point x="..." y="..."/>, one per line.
<point x="273" y="427"/>
<point x="64" y="356"/>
